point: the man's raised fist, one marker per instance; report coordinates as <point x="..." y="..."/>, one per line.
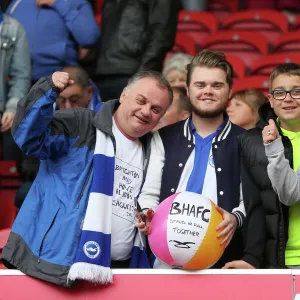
<point x="61" y="80"/>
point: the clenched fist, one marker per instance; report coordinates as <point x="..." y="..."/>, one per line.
<point x="270" y="132"/>
<point x="61" y="80"/>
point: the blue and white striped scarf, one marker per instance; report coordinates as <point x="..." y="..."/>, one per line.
<point x="93" y="258"/>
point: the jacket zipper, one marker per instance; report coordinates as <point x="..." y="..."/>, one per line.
<point x="43" y="240"/>
<point x="84" y="186"/>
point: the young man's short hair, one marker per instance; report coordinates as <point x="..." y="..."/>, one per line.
<point x="211" y="59"/>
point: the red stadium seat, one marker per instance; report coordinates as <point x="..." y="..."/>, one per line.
<point x="9" y="176"/>
<point x="9" y="182"/>
<point x="98" y="10"/>
<point x="267" y="64"/>
<point x="184" y="43"/>
<point x="270" y="23"/>
<point x="197" y="24"/>
<point x="4" y="233"/>
<point x="249" y="46"/>
<point x="222" y="8"/>
<point x="7" y="208"/>
<point x="98" y="5"/>
<point x="252" y="82"/>
<point x="238" y="65"/>
<point x="289" y="42"/>
<point x="8" y="168"/>
<point x="296" y="24"/>
<point x="98" y="18"/>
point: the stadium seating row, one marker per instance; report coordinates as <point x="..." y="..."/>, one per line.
<point x="270" y="23"/>
<point x="248" y="45"/>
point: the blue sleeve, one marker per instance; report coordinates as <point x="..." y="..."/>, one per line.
<point x="36" y="130"/>
<point x="80" y="20"/>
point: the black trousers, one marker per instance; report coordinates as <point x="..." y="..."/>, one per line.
<point x="120" y="264"/>
<point x="10" y="150"/>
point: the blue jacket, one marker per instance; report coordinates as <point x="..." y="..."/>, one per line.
<point x="45" y="235"/>
<point x="55" y="33"/>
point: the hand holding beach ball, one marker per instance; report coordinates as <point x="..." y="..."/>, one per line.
<point x="183" y="232"/>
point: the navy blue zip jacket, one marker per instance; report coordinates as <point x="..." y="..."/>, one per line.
<point x="176" y="144"/>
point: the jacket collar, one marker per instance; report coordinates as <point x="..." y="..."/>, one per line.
<point x="222" y="133"/>
<point x="103" y="119"/>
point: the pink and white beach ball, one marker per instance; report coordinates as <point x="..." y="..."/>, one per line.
<point x="183" y="232"/>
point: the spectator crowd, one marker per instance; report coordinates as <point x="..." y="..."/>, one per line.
<point x="106" y="121"/>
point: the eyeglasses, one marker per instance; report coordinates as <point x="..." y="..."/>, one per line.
<point x="281" y="94"/>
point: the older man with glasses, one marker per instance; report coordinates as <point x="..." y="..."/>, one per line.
<point x="269" y="151"/>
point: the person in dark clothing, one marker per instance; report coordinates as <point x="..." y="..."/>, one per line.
<point x="135" y="36"/>
<point x="272" y="227"/>
<point x="4" y="4"/>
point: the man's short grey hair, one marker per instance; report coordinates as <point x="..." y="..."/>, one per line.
<point x="177" y="62"/>
<point x="161" y="81"/>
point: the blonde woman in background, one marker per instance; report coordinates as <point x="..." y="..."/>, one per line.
<point x="175" y="69"/>
<point x="243" y="107"/>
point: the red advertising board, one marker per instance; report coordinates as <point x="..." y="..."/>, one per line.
<point x="296" y="277"/>
<point x="158" y="284"/>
